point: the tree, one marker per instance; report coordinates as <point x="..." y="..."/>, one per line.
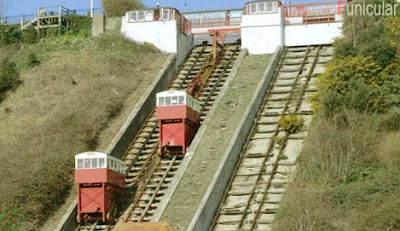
<point x="120" y="7"/>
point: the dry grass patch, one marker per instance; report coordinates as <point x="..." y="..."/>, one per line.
<point x="348" y="177"/>
<point x="80" y="89"/>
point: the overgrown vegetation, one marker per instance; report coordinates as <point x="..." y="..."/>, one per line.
<point x="365" y="76"/>
<point x="291" y="123"/>
<point x="11" y="34"/>
<point x="80" y="25"/>
<point x="117" y="8"/>
<point x="348" y="175"/>
<point x="75" y="99"/>
<point x="9" y="77"/>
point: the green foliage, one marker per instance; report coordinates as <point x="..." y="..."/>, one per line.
<point x="291" y="123"/>
<point x="355" y="83"/>
<point x="30" y="35"/>
<point x="12" y="34"/>
<point x="374" y="42"/>
<point x="344" y="48"/>
<point x="347" y="177"/>
<point x="282" y="156"/>
<point x="80" y="25"/>
<point x="390" y="121"/>
<point x="9" y="77"/>
<point x="118" y="8"/>
<point x="33" y="60"/>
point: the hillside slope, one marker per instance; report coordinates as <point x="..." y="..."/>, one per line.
<point x="74" y="101"/>
<point x="348" y="174"/>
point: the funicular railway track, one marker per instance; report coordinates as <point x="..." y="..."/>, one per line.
<point x="149" y="175"/>
<point x="261" y="175"/>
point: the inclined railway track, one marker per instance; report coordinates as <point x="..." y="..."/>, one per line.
<point x="269" y="155"/>
<point x="148" y="174"/>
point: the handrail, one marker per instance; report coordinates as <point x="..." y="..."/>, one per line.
<point x="310" y="10"/>
<point x="235" y="21"/>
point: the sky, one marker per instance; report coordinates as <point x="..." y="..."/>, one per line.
<point x="18" y="7"/>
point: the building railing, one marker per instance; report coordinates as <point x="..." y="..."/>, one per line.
<point x="218" y="22"/>
<point x="312" y="13"/>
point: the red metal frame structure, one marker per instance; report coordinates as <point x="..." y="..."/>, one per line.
<point x="218" y="36"/>
<point x="311" y="13"/>
<point x="99" y="180"/>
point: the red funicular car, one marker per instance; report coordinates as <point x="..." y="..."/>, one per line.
<point x="100" y="182"/>
<point x="178" y="116"/>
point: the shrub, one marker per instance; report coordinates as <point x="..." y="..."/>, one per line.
<point x="375" y="42"/>
<point x="390" y="121"/>
<point x="9" y="34"/>
<point x="9" y="77"/>
<point x="344" y="48"/>
<point x="30" y="35"/>
<point x="118" y="8"/>
<point x="80" y="25"/>
<point x="291" y="123"/>
<point x="33" y="60"/>
<point x="351" y="82"/>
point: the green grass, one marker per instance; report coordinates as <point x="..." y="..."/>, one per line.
<point x="348" y="177"/>
<point x="73" y="101"/>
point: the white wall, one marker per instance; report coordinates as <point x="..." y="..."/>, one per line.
<point x="185" y="45"/>
<point x="261" y="33"/>
<point x="261" y="40"/>
<point x="312" y="34"/>
<point x="162" y="34"/>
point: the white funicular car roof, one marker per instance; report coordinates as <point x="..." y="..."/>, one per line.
<point x="91" y="155"/>
<point x="171" y="93"/>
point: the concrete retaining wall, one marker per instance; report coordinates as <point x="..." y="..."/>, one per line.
<point x="103" y="24"/>
<point x="211" y="200"/>
<point x="132" y="125"/>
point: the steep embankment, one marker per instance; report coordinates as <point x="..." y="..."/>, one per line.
<point x="75" y="100"/>
<point x="348" y="176"/>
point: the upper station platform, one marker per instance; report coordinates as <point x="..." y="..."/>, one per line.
<point x="262" y="26"/>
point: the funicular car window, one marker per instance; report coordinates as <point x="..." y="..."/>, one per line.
<point x="181" y="100"/>
<point x="94" y="163"/>
<point x="161" y="101"/>
<point x="167" y="101"/>
<point x="112" y="166"/>
<point x="87" y="163"/>
<point x="101" y="162"/>
<point x="80" y="163"/>
<point x="174" y="100"/>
